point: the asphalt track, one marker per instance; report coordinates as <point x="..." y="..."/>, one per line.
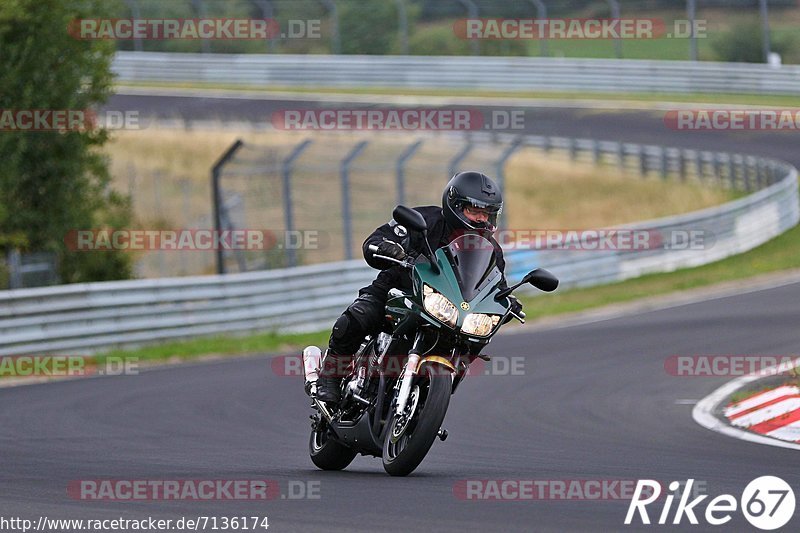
<point x="594" y="403"/>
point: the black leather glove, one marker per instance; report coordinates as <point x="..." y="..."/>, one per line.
<point x="391" y="249"/>
<point x="516" y="305"/>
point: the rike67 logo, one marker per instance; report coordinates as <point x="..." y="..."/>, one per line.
<point x="767" y="503"/>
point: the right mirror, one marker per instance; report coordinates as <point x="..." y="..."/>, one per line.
<point x="542" y="279"/>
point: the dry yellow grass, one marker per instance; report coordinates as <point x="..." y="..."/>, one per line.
<point x="166" y="171"/>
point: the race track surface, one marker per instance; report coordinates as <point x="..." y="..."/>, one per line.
<point x="594" y="403"/>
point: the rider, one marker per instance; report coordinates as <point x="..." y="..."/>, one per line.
<point x="471" y="202"/>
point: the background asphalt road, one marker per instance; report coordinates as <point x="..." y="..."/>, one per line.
<point x="594" y="403"/>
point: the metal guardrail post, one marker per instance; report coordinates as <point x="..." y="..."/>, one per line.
<point x="216" y="196"/>
<point x="458" y="158"/>
<point x="621" y="155"/>
<point x="400" y="173"/>
<point x="682" y="164"/>
<point x="347" y="217"/>
<point x="288" y="213"/>
<point x="573" y="149"/>
<point x="698" y="162"/>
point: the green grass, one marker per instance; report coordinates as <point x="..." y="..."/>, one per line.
<point x="744" y="99"/>
<point x="781" y="253"/>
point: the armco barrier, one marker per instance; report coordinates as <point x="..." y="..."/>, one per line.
<point x="452" y="72"/>
<point x="88" y="317"/>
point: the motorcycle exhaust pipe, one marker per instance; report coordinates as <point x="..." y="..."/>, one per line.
<point x="311" y="365"/>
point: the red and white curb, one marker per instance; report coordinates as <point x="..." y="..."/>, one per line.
<point x="774" y="413"/>
<point x="771" y="417"/>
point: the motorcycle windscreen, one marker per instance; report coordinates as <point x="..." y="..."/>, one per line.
<point x="473" y="260"/>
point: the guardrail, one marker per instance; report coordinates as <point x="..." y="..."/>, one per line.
<point x="459" y="72"/>
<point x="87" y="317"/>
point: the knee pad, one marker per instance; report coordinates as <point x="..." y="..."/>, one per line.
<point x="341" y="327"/>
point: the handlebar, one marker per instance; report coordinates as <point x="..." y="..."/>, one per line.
<point x="373" y="248"/>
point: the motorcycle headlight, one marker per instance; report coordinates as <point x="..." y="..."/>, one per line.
<point x="439" y="306"/>
<point x="479" y="324"/>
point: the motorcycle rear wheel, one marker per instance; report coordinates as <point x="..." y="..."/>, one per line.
<point x="326" y="453"/>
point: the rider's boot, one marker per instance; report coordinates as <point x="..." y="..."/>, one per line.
<point x="329" y="383"/>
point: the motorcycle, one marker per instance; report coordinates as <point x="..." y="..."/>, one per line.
<point x="397" y="387"/>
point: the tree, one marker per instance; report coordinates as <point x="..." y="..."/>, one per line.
<point x="52" y="182"/>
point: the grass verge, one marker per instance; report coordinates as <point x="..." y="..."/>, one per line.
<point x="733" y="98"/>
<point x="781" y="253"/>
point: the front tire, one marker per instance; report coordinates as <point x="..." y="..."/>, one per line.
<point x="407" y="442"/>
<point x="326" y="453"/>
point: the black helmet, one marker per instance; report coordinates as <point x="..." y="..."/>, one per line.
<point x="471" y="189"/>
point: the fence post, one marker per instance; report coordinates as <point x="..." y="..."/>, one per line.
<point x="747" y="174"/>
<point x="136" y="15"/>
<point x="643" y="160"/>
<point x="402" y="25"/>
<point x="336" y="40"/>
<point x="595" y="151"/>
<point x="267" y="12"/>
<point x="500" y="164"/>
<point x="14" y="269"/>
<point x="732" y="171"/>
<point x="346" y="214"/>
<point x="200" y="10"/>
<point x="472" y="12"/>
<point x="401" y="174"/>
<point x="621" y="155"/>
<point x="682" y="164"/>
<point x="288" y="213"/>
<point x="216" y="196"/>
<point x="541" y="14"/>
<point x="459" y="157"/>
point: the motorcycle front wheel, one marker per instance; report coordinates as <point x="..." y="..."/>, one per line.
<point x="411" y="435"/>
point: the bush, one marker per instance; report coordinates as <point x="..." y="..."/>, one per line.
<point x="743" y="44"/>
<point x="52" y="182"/>
<point x="367" y="27"/>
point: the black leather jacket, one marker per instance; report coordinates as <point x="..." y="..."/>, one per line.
<point x="439" y="234"/>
